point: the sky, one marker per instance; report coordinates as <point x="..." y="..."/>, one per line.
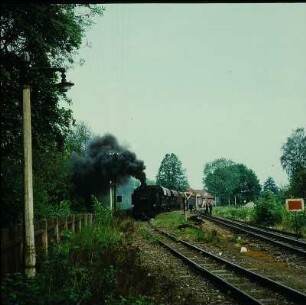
<point x="202" y="81"/>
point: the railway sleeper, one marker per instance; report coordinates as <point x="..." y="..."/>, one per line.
<point x="234" y="278"/>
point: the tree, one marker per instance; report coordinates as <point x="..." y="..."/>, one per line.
<point x="171" y="174"/>
<point x="270" y="186"/>
<point x="293" y="161"/>
<point x="218" y="179"/>
<point x="78" y="138"/>
<point x="267" y="211"/>
<point x="297" y="187"/>
<point x="222" y="182"/>
<point x="210" y="167"/>
<point x="51" y="34"/>
<point x="294" y="152"/>
<point x="226" y="179"/>
<point x="248" y="187"/>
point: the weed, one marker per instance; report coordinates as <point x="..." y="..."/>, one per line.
<point x="267" y="211"/>
<point x="239" y="213"/>
<point x="169" y="220"/>
<point x="146" y="235"/>
<point x="98" y="265"/>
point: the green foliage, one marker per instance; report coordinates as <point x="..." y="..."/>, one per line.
<point x="99" y="265"/>
<point x="239" y="213"/>
<point x="208" y="236"/>
<point x="132" y="301"/>
<point x="78" y="138"/>
<point x="11" y="190"/>
<point x="293" y="161"/>
<point x="293" y="221"/>
<point x="294" y="152"/>
<point x="51" y="34"/>
<point x="297" y="187"/>
<point x="270" y="186"/>
<point x="226" y="179"/>
<point x="17" y="289"/>
<point x="169" y="220"/>
<point x="146" y="235"/>
<point x="104" y="216"/>
<point x="171" y="174"/>
<point x="172" y="221"/>
<point x="48" y="211"/>
<point x="267" y="210"/>
<point x="210" y="167"/>
<point x="248" y="187"/>
<point x="222" y="182"/>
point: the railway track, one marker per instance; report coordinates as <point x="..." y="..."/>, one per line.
<point x="285" y="233"/>
<point x="245" y="285"/>
<point x="280" y="239"/>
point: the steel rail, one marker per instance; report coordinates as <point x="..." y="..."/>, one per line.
<point x="280" y="288"/>
<point x="248" y="231"/>
<point x="273" y="233"/>
<point x="277" y="231"/>
<point x="221" y="283"/>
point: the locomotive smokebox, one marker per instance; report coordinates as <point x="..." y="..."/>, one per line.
<point x="143" y="184"/>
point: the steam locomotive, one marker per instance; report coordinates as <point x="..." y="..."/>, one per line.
<point x="149" y="200"/>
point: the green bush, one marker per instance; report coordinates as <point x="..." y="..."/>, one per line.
<point x="43" y="210"/>
<point x="98" y="265"/>
<point x="239" y="213"/>
<point x="267" y="211"/>
<point x="291" y="221"/>
<point x="17" y="289"/>
<point x="209" y="236"/>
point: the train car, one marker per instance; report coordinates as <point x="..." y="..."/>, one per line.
<point x="148" y="200"/>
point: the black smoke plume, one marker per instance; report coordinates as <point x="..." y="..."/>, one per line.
<point x="104" y="160"/>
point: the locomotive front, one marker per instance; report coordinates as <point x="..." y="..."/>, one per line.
<point x="146" y="201"/>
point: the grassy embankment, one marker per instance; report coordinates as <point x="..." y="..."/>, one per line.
<point x="266" y="213"/>
<point x="99" y="265"/>
<point x="176" y="223"/>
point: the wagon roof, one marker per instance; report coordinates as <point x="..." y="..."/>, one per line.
<point x="175" y="193"/>
<point x="166" y="191"/>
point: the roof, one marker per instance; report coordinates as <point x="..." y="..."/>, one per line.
<point x="202" y="193"/>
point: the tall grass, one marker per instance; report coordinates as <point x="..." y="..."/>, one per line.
<point x="173" y="221"/>
<point x="99" y="265"/>
<point x="170" y="220"/>
<point x="239" y="213"/>
<point x="267" y="211"/>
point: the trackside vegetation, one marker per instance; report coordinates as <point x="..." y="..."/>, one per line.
<point x="99" y="265"/>
<point x="185" y="229"/>
<point x="267" y="211"/>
